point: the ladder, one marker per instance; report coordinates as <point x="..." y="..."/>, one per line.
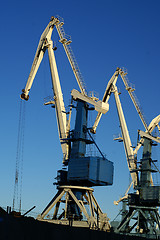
<point x="130" y="89"/>
<point x="66" y="40"/>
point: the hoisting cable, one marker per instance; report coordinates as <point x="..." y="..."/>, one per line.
<point x="19" y="158"/>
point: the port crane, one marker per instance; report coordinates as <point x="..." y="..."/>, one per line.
<point x="73" y="184"/>
<point x="142" y="217"/>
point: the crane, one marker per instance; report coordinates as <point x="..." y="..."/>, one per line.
<point x="142" y="216"/>
<point x="73" y="184"/>
<point x="144" y="202"/>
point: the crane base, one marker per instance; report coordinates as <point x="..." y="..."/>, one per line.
<point x="141" y="220"/>
<point x="76" y="202"/>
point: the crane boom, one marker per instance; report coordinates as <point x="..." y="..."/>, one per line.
<point x="126" y="140"/>
<point x="46" y="43"/>
<point x="37" y="59"/>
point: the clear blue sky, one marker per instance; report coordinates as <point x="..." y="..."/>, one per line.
<point x="106" y="34"/>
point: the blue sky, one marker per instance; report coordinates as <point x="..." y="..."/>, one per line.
<point x="106" y="34"/>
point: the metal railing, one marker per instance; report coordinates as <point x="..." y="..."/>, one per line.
<point x="66" y="40"/>
<point x="133" y="96"/>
